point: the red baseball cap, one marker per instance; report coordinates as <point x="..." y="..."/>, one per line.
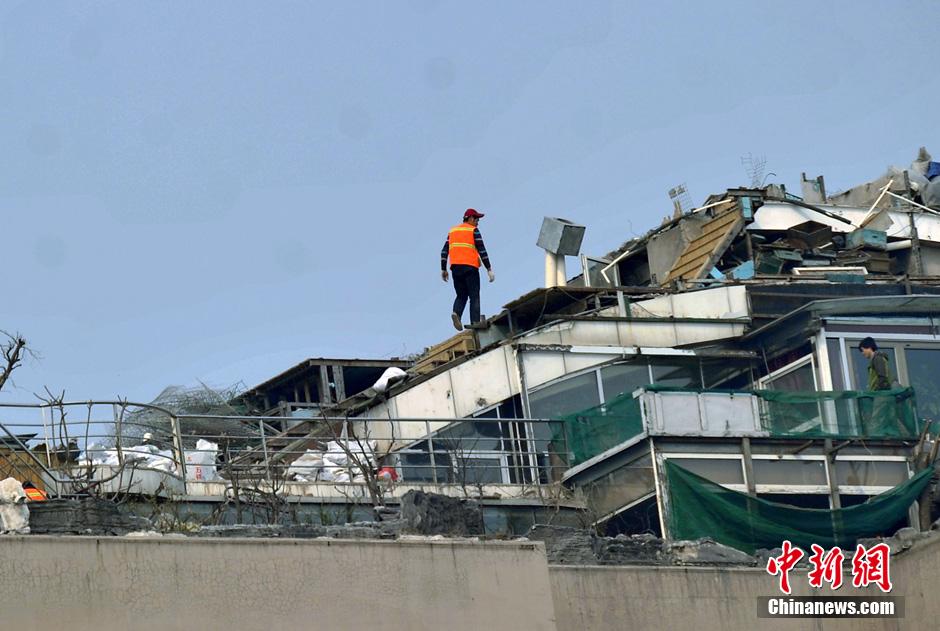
<point x="472" y="213"/>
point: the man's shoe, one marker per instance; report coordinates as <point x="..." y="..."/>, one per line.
<point x="456" y="320"/>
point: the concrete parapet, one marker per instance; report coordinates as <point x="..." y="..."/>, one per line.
<point x="168" y="583"/>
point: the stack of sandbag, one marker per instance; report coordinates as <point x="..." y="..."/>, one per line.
<point x="200" y="463"/>
<point x="307" y="468"/>
<point x="347" y="457"/>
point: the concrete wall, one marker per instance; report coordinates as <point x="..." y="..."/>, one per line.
<point x="78" y="583"/>
<point x="721" y="599"/>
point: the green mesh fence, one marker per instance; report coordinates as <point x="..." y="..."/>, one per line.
<point x="831" y="414"/>
<point x="700" y="508"/>
<point x="843" y="414"/>
<point x="879" y="414"/>
<point x="597" y="429"/>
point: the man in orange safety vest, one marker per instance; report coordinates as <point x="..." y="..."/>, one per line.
<point x="464" y="246"/>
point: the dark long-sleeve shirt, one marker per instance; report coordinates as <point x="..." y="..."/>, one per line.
<point x="879" y="372"/>
<point x="477" y="241"/>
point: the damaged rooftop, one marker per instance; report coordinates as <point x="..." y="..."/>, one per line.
<point x="715" y="353"/>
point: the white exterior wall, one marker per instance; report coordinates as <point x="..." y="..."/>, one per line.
<point x="493" y="376"/>
<point x="719" y="302"/>
<point x="633" y="333"/>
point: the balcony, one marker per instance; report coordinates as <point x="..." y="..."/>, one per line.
<point x="887" y="415"/>
<point x="660" y="411"/>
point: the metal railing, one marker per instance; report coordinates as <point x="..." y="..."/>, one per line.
<point x="848" y="414"/>
<point x="74" y="447"/>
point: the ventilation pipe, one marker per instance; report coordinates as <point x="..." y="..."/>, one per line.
<point x="559" y="238"/>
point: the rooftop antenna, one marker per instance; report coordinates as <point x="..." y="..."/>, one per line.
<point x="681" y="200"/>
<point x="754" y="167"/>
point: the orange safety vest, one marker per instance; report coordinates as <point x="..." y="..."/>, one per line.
<point x="36" y="495"/>
<point x="463" y="250"/>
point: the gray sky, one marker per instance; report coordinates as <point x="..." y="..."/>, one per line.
<point x="215" y="191"/>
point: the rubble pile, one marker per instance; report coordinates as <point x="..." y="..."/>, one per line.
<point x="433" y="514"/>
<point x="87" y="516"/>
<point x="577" y="546"/>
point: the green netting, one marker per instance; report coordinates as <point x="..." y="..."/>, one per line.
<point x="700" y="508"/>
<point x="831" y="414"/>
<point x="872" y="414"/>
<point x="843" y="414"/>
<point x="597" y="429"/>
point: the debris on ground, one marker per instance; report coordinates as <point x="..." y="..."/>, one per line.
<point x="87" y="516"/>
<point x="433" y="514"/>
<point x="577" y="546"/>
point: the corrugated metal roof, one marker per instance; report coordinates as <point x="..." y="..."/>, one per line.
<point x="700" y="255"/>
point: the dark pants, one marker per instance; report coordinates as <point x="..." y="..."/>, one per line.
<point x="467" y="286"/>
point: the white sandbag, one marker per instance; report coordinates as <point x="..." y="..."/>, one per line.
<point x="339" y="475"/>
<point x="307" y="467"/>
<point x="14" y="514"/>
<point x="146" y="456"/>
<point x="335" y="455"/>
<point x="390" y="377"/>
<point x="97" y="454"/>
<point x="200" y="463"/>
<point x="163" y="461"/>
<point x="138" y="453"/>
<point x="349" y="456"/>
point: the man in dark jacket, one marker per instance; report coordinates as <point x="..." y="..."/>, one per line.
<point x="879" y="366"/>
<point x="883" y="418"/>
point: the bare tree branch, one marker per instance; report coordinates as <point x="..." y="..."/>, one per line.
<point x="12" y="351"/>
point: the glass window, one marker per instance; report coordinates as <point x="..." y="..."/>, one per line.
<point x="870" y="473"/>
<point x="835" y="364"/>
<point x="791" y="472"/>
<point x="470" y="436"/>
<point x="718" y="470"/>
<point x="860" y="364"/>
<point x="565" y="397"/>
<point x="594" y="276"/>
<point x="624" y="378"/>
<point x="416" y="465"/>
<point x="726" y="374"/>
<point x="510" y="408"/>
<point x="676" y="373"/>
<point x="801" y="500"/>
<point x="477" y="470"/>
<point x="923" y="368"/>
<point x="799" y="379"/>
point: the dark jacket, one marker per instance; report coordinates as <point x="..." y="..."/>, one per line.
<point x="879" y="372"/>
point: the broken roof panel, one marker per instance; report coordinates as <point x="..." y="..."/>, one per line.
<point x="704" y="251"/>
<point x="781" y="216"/>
